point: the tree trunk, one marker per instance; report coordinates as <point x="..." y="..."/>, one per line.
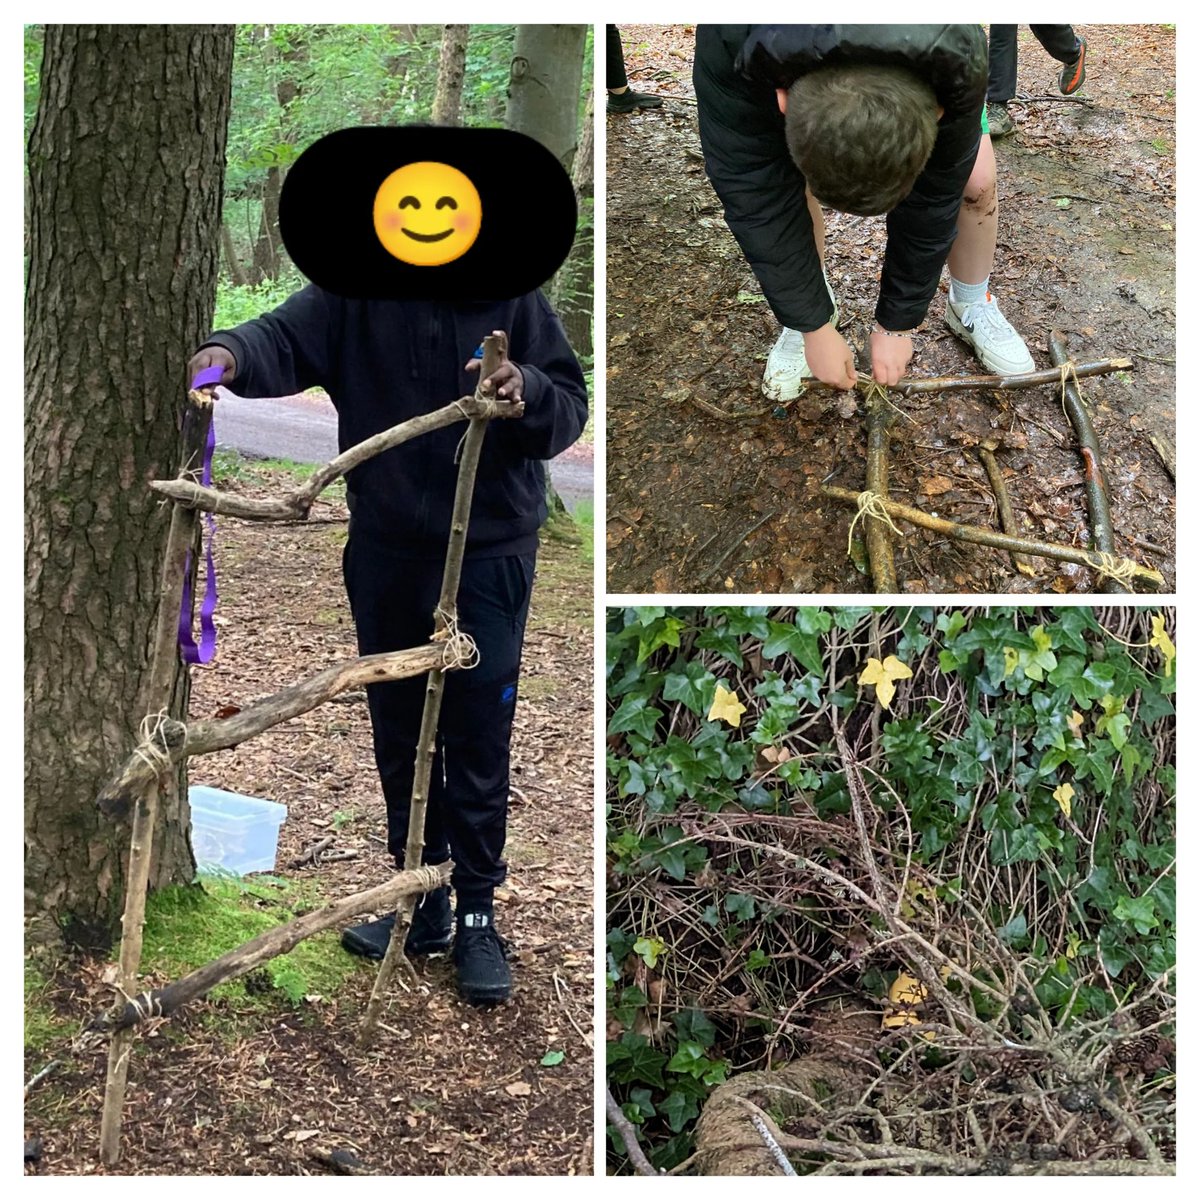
<point x="543" y="103"/>
<point x="236" y="271"/>
<point x="126" y="166"/>
<point x="572" y="292"/>
<point x="544" y="83"/>
<point x="452" y="63"/>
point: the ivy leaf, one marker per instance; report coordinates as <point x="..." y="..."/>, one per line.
<point x="883" y="675"/>
<point x="635" y="716"/>
<point x="649" y="950"/>
<point x="726" y="707"/>
<point x="1063" y="794"/>
<point x="1139" y="910"/>
<point x="1162" y="643"/>
<point x="1075" y="724"/>
<point x="552" y="1058"/>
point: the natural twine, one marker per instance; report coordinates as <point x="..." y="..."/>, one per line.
<point x="870" y="504"/>
<point x="1123" y="570"/>
<point x="151" y="749"/>
<point x="459" y="651"/>
<point x="1065" y="369"/>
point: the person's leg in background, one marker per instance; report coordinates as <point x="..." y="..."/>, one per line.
<point x="972" y="312"/>
<point x="1060" y="42"/>
<point x="1002" y="77"/>
<point x="620" y="97"/>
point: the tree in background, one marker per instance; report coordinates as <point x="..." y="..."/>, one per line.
<point x="452" y="61"/>
<point x="126" y="167"/>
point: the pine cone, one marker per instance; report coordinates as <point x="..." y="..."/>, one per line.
<point x="1136" y="1050"/>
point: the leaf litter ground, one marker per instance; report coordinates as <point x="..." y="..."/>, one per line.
<point x="1087" y="237"/>
<point x="230" y="1088"/>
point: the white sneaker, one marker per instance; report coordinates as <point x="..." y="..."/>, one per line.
<point x="787" y="368"/>
<point x="994" y="341"/>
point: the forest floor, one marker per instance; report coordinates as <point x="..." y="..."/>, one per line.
<point x="249" y="1083"/>
<point x="1087" y="247"/>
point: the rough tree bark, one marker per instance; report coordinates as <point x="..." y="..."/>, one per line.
<point x="126" y="166"/>
<point x="544" y="83"/>
<point x="543" y="103"/>
<point x="452" y="63"/>
<point x="572" y="292"/>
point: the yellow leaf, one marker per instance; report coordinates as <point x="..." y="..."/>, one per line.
<point x="1063" y="794"/>
<point x="907" y="990"/>
<point x="1011" y="658"/>
<point x="726" y="707"/>
<point x="883" y="675"/>
<point x="1072" y="945"/>
<point x="1075" y="724"/>
<point x="1161" y="641"/>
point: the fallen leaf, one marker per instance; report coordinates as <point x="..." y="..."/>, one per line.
<point x="937" y="485"/>
<point x="726" y="707"/>
<point x="1063" y="794"/>
<point x="883" y="675"/>
<point x="520" y="1088"/>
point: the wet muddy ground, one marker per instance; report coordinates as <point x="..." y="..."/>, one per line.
<point x="1087" y="247"/>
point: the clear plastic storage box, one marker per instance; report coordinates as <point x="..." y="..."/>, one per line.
<point x="233" y="833"/>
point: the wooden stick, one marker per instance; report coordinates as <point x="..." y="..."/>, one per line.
<point x="164" y="665"/>
<point x="1094" y="484"/>
<point x="295" y="505"/>
<point x="941" y="383"/>
<point x="174" y="740"/>
<point x="445" y="629"/>
<point x="879" y="537"/>
<point x="626" y="1132"/>
<point x="988" y="537"/>
<point x="162" y="1002"/>
<point x="1003" y="383"/>
<point x="1004" y="505"/>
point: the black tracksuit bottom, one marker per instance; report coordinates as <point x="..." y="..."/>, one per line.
<point x="393" y="598"/>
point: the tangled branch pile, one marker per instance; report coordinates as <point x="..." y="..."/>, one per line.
<point x="931" y="939"/>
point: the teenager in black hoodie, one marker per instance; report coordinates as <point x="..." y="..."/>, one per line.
<point x="382" y="362"/>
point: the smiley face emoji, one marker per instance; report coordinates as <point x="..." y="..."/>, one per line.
<point x="427" y="214"/>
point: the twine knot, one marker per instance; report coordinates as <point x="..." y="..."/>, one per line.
<point x="870" y="504"/>
<point x="459" y="651"/>
<point x="1123" y="570"/>
<point x="152" y="747"/>
<point x="1065" y="369"/>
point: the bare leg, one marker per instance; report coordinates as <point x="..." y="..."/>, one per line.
<point x="974" y="249"/>
<point x="818" y="220"/>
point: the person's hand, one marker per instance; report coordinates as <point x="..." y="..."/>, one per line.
<point x="829" y="357"/>
<point x="506" y="381"/>
<point x="212" y="356"/>
<point x="890" y="356"/>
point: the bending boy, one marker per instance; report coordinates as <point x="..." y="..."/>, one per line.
<point x="867" y="119"/>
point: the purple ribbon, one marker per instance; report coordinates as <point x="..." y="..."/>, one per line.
<point x="190" y="652"/>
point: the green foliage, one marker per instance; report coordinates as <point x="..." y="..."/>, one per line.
<point x="1006" y="706"/>
<point x="236" y="304"/>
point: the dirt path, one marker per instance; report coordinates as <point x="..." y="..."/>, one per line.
<point x="447" y="1089"/>
<point x="1087" y="246"/>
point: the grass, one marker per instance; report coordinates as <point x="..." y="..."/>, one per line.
<point x="42" y="1025"/>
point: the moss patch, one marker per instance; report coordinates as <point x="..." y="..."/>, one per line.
<point x="564" y="586"/>
<point x="188" y="926"/>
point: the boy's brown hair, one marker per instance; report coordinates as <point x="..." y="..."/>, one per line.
<point x="861" y="134"/>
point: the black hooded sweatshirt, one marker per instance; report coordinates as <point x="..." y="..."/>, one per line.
<point x="738" y="68"/>
<point x="384" y="361"/>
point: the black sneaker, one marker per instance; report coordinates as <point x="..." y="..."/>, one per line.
<point x="480" y="957"/>
<point x="429" y="933"/>
<point x="1074" y="73"/>
<point x="628" y="100"/>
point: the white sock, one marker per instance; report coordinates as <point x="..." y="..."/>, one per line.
<point x="967" y="293"/>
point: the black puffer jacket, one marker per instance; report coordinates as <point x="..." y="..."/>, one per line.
<point x="738" y="68"/>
